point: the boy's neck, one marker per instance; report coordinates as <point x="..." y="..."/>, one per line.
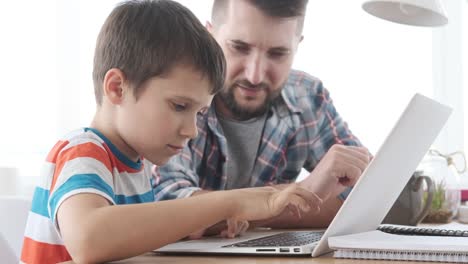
<point x="103" y="124"/>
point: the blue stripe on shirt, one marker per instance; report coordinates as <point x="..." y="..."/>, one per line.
<point x="39" y="202"/>
<point x="79" y="181"/>
<point x="139" y="198"/>
<point x="122" y="157"/>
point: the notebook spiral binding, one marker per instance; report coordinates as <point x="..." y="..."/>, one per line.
<point x="402" y="255"/>
<point x="421" y="231"/>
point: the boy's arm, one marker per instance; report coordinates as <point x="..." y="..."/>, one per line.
<point x="93" y="231"/>
<point x="310" y="219"/>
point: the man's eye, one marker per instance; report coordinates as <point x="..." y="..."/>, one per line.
<point x="276" y="54"/>
<point x="241" y="48"/>
<point x="179" y="107"/>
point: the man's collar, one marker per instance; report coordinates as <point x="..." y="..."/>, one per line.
<point x="288" y="100"/>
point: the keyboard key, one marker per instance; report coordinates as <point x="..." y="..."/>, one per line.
<point x="286" y="239"/>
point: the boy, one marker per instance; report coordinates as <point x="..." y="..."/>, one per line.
<point x="155" y="69"/>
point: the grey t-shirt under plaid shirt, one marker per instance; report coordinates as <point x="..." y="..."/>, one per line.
<point x="243" y="140"/>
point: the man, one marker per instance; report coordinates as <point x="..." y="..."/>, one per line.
<point x="269" y="121"/>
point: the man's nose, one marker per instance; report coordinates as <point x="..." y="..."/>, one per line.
<point x="255" y="69"/>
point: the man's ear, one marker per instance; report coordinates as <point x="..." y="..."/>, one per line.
<point x="299" y="40"/>
<point x="113" y="86"/>
<point x="209" y="27"/>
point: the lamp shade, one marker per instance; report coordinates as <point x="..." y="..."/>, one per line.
<point x="426" y="13"/>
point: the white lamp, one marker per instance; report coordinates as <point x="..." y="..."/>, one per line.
<point x="426" y="13"/>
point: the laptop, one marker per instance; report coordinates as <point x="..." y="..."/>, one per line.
<point x="383" y="180"/>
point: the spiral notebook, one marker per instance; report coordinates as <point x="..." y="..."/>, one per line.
<point x="394" y="242"/>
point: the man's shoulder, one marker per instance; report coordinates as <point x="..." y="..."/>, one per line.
<point x="299" y="77"/>
<point x="303" y="90"/>
<point x="300" y="83"/>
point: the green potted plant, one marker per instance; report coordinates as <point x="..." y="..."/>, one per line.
<point x="440" y="211"/>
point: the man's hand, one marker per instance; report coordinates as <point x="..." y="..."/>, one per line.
<point x="341" y="167"/>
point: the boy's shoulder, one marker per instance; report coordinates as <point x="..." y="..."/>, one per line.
<point x="83" y="140"/>
<point x="83" y="136"/>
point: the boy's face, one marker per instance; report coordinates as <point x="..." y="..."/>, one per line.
<point x="159" y="122"/>
<point x="259" y="52"/>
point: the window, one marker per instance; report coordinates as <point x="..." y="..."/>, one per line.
<point x="449" y="65"/>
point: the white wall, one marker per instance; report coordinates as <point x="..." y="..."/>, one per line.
<point x="371" y="67"/>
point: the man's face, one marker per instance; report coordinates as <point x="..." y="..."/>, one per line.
<point x="259" y="51"/>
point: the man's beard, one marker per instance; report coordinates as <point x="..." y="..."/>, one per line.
<point x="243" y="113"/>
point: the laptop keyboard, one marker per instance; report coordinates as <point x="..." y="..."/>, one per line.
<point x="286" y="239"/>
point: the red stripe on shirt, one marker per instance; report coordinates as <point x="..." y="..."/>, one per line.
<point x="85" y="150"/>
<point x="52" y="156"/>
<point x="43" y="253"/>
<point x="119" y="165"/>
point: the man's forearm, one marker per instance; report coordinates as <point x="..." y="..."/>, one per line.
<point x="309" y="220"/>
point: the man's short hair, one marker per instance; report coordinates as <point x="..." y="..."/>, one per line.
<point x="148" y="38"/>
<point x="273" y="8"/>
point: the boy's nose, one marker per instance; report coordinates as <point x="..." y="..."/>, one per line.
<point x="189" y="129"/>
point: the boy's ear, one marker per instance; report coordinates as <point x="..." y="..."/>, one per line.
<point x="113" y="86"/>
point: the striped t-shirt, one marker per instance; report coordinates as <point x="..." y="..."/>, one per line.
<point x="83" y="162"/>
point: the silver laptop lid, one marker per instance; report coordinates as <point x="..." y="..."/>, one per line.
<point x="389" y="171"/>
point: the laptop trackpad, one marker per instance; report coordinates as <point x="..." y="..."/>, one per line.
<point x="214" y="242"/>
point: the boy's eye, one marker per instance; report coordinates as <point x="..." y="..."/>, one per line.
<point x="179" y="107"/>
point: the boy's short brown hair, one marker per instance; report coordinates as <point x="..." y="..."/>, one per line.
<point x="148" y="38"/>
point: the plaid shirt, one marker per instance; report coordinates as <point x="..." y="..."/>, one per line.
<point x="300" y="128"/>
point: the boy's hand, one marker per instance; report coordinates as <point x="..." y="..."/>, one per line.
<point x="341" y="167"/>
<point x="226" y="229"/>
<point x="267" y="202"/>
<point x="234" y="228"/>
<point x="262" y="203"/>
